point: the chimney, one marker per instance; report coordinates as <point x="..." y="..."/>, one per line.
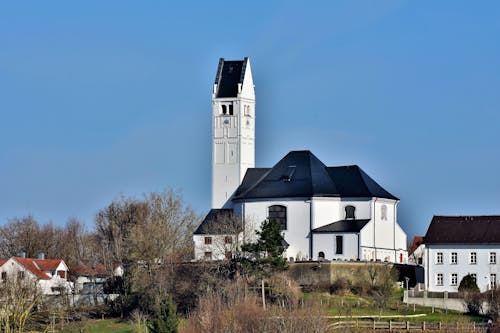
<point x="41" y="256"/>
<point x="22" y="254"/>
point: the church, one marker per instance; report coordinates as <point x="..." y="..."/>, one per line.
<point x="327" y="213"/>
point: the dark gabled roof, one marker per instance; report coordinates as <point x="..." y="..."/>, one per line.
<point x="342" y="226"/>
<point x="229" y="74"/>
<point x="301" y="174"/>
<point x="463" y="230"/>
<point x="219" y="222"/>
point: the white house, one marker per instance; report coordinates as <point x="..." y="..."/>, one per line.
<point x="459" y="245"/>
<point x="91" y="279"/>
<point x="51" y="275"/>
<point x="336" y="213"/>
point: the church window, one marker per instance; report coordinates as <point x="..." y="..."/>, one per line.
<point x="383" y="212"/>
<point x="278" y="213"/>
<point x="349" y="212"/>
<point x="339" y="244"/>
<point x="230" y="109"/>
<point x="224" y="109"/>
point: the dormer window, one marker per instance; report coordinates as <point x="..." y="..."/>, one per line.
<point x="288" y="174"/>
<point x="349" y="212"/>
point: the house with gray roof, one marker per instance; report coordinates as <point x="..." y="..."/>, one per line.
<point x="456" y="246"/>
<point x="333" y="213"/>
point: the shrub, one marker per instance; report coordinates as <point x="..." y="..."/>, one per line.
<point x="164" y="319"/>
<point x="468" y="284"/>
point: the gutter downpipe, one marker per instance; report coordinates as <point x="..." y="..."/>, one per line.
<point x="311" y="216"/>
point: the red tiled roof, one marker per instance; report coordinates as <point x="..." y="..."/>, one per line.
<point x="99" y="269"/>
<point x="3" y="261"/>
<point x="30" y="265"/>
<point x="417" y="240"/>
<point x="47" y="264"/>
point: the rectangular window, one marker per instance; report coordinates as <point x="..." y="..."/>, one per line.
<point x="20" y="275"/>
<point x="474" y="276"/>
<point x="4" y="276"/>
<point x="439" y="258"/>
<point x="439" y="279"/>
<point x="208" y="240"/>
<point x="339" y="240"/>
<point x="493" y="258"/>
<point x="473" y="258"/>
<point x="454" y="258"/>
<point x="208" y="255"/>
<point x="493" y="281"/>
<point x="228" y="240"/>
<point x="229" y="255"/>
<point x="454" y="279"/>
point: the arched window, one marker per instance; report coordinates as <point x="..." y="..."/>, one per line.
<point x="278" y="213"/>
<point x="230" y="109"/>
<point x="224" y="109"/>
<point x="321" y="256"/>
<point x="383" y="212"/>
<point x="349" y="212"/>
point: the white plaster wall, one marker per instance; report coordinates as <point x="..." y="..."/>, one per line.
<point x="325" y="211"/>
<point x="362" y="205"/>
<point x="218" y="246"/>
<point x="482" y="269"/>
<point x="384" y="229"/>
<point x="326" y="242"/>
<point x="298" y="219"/>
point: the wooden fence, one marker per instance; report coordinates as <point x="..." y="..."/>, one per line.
<point x="407" y="326"/>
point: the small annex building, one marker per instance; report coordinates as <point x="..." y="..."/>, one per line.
<point x="333" y="213"/>
<point x="459" y="245"/>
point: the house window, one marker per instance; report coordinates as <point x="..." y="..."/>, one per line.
<point x="454" y="279"/>
<point x="493" y="281"/>
<point x="349" y="212"/>
<point x="4" y="276"/>
<point x="439" y="279"/>
<point x="208" y="240"/>
<point x="278" y="213"/>
<point x="493" y="257"/>
<point x="454" y="258"/>
<point x="20" y="275"/>
<point x="474" y="276"/>
<point x="473" y="258"/>
<point x="208" y="255"/>
<point x="228" y="240"/>
<point x="439" y="258"/>
<point x="229" y="255"/>
<point x="339" y="246"/>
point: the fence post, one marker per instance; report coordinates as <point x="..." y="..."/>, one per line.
<point x="407" y="325"/>
<point x="423" y="326"/>
<point x="390" y="325"/>
<point x="440" y="326"/>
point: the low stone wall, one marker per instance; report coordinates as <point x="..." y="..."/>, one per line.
<point x="443" y="302"/>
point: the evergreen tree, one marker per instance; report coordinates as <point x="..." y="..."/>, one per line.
<point x="468" y="284"/>
<point x="165" y="318"/>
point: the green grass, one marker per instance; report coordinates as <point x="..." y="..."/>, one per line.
<point x="99" y="326"/>
<point x="352" y="305"/>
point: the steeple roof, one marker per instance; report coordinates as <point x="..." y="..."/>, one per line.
<point x="230" y="73"/>
<point x="301" y="174"/>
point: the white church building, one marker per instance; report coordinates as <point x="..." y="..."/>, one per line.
<point x="334" y="213"/>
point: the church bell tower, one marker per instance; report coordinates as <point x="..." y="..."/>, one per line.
<point x="233" y="128"/>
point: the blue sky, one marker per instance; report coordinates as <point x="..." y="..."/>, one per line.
<point x="109" y="98"/>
